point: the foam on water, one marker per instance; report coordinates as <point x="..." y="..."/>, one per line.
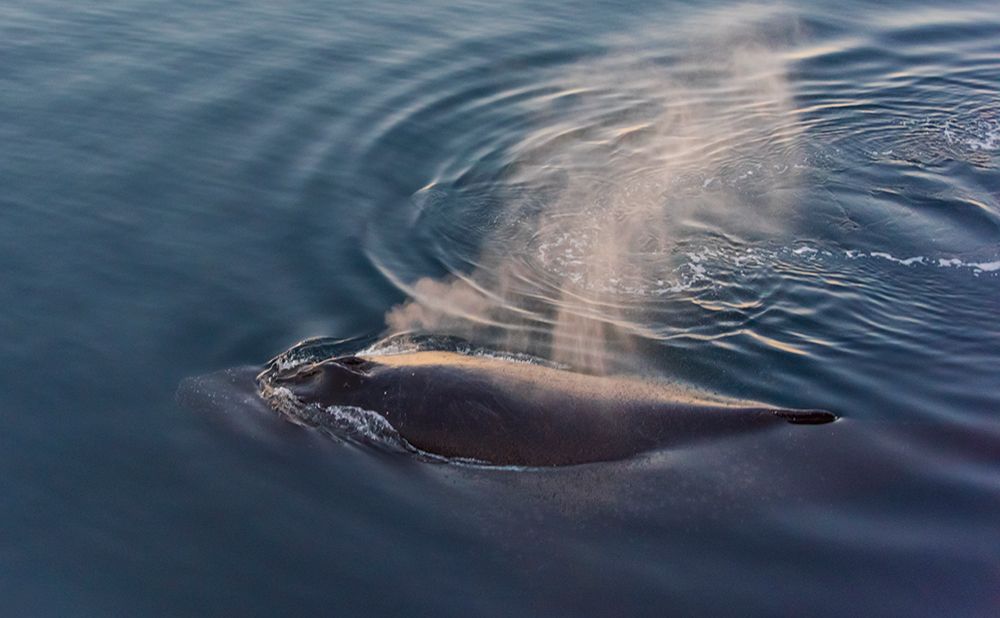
<point x="977" y="267"/>
<point x="982" y="133"/>
<point x="970" y="136"/>
<point x="342" y="422"/>
<point x="684" y="270"/>
<point x="359" y="424"/>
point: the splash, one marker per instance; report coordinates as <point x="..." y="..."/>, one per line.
<point x="643" y="149"/>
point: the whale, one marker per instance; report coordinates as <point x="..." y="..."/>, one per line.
<point x="506" y="412"/>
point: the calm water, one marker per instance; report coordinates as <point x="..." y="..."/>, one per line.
<point x="776" y="201"/>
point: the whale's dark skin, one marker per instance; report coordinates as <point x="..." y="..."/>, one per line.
<point x="512" y="413"/>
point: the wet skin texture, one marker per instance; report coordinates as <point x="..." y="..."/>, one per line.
<point x="511" y="413"/>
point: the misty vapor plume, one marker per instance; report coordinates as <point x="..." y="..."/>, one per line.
<point x="638" y="152"/>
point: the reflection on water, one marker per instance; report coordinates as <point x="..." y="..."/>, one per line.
<point x="790" y="203"/>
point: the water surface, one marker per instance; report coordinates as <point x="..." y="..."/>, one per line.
<point x="786" y="202"/>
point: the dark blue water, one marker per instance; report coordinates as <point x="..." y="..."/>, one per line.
<point x="789" y="202"/>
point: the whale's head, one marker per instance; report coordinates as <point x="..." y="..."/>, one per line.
<point x="334" y="381"/>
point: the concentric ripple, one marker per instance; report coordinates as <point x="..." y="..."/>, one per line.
<point x="747" y="186"/>
<point x="569" y="205"/>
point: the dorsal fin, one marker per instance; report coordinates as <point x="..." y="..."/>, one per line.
<point x="805" y="417"/>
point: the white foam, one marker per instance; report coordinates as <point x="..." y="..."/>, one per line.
<point x="904" y="261"/>
<point x="681" y="272"/>
<point x="941" y="262"/>
<point x="973" y="138"/>
<point x="977" y="135"/>
<point x="362" y="424"/>
<point x="986" y="266"/>
<point x="977" y="267"/>
<point x="285" y="364"/>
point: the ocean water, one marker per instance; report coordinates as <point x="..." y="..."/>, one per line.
<point x="791" y="202"/>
